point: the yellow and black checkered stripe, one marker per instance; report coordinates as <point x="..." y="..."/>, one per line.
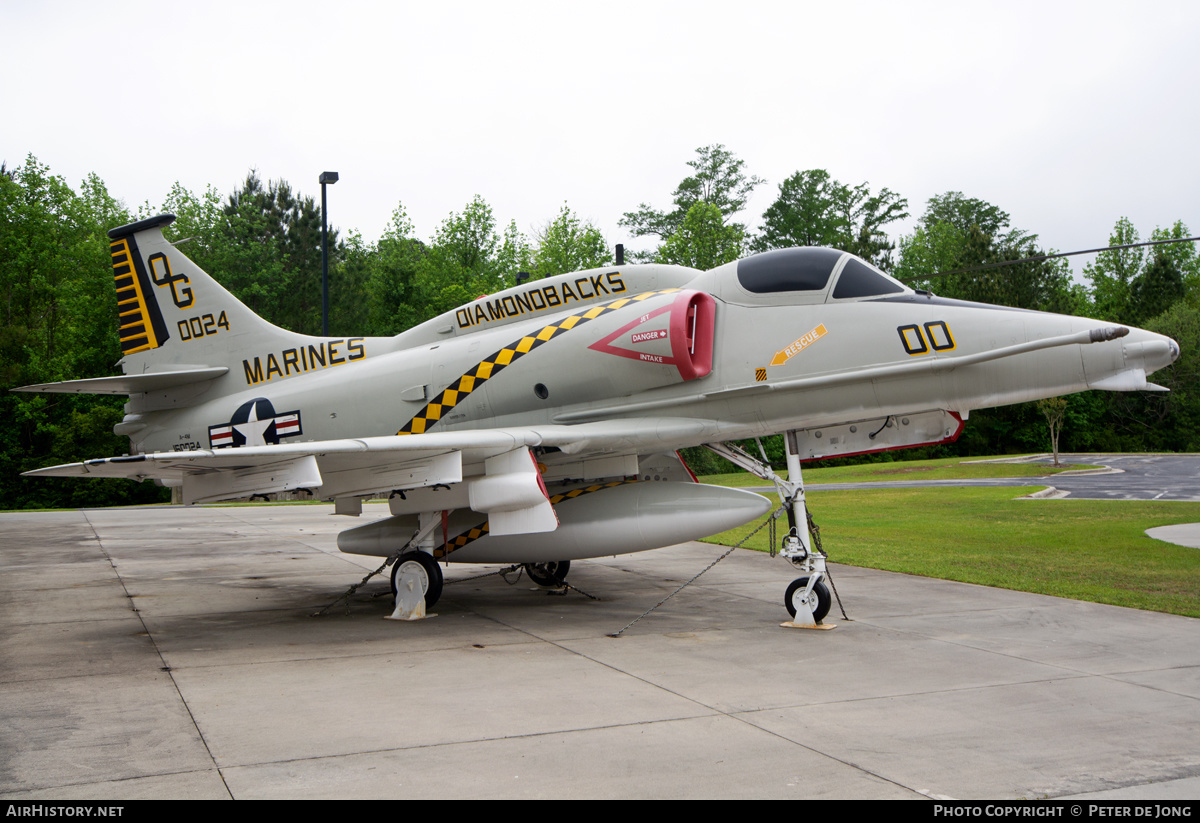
<point x="475" y="532"/>
<point x="489" y="367"/>
<point x="140" y="323"/>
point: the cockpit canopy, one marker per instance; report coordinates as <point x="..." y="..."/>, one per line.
<point x="809" y="270"/>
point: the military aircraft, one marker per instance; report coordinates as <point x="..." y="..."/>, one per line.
<point x="542" y="424"/>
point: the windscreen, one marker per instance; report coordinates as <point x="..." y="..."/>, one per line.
<point x="860" y="280"/>
<point x="800" y="269"/>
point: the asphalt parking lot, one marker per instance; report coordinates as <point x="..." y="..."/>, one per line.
<point x="171" y="653"/>
<point x="1126" y="477"/>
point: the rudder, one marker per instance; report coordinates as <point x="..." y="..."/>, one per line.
<point x="140" y="322"/>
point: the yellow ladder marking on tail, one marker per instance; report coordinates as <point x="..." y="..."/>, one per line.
<point x="137" y="335"/>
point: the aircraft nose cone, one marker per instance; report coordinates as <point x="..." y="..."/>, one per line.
<point x="1149" y="351"/>
<point x="1122" y="361"/>
<point x="1159" y="352"/>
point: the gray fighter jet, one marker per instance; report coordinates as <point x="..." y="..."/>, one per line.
<point x="542" y="424"/>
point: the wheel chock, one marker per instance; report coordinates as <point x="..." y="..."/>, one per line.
<point x="410" y="600"/>
<point x="821" y="627"/>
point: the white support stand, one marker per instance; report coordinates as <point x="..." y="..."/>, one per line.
<point x="410" y="597"/>
<point x="804" y="617"/>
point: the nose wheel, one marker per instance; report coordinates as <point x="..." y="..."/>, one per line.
<point x="818" y="599"/>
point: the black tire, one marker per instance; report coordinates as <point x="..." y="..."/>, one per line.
<point x="550" y="575"/>
<point x="820" y="594"/>
<point x="431" y="570"/>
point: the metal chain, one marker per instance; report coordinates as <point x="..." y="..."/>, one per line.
<point x="815" y="531"/>
<point x="353" y="589"/>
<point x="501" y="572"/>
<point x="567" y="585"/>
<point x="770" y="519"/>
<point x="520" y="569"/>
<point x="773" y="539"/>
<point x="836" y="596"/>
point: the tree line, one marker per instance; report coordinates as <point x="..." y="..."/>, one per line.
<point x="263" y="243"/>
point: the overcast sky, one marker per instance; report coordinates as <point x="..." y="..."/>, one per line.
<point x="1066" y="115"/>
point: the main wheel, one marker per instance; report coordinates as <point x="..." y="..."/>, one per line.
<point x="818" y="598"/>
<point x="551" y="575"/>
<point x="427" y="571"/>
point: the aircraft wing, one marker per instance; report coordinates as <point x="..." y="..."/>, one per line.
<point x="371" y="465"/>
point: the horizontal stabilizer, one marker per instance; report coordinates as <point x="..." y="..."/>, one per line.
<point x="129" y="383"/>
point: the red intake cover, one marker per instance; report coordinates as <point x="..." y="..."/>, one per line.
<point x="679" y="335"/>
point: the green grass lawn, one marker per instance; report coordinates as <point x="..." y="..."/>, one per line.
<point x="1093" y="550"/>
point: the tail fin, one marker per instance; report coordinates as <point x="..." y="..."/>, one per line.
<point x="174" y="314"/>
<point x="175" y="317"/>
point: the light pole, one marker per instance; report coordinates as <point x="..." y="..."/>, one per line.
<point x="327" y="177"/>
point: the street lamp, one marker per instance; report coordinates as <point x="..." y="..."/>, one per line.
<point x="329" y="177"/>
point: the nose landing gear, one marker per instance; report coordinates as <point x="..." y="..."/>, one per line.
<point x="807" y="599"/>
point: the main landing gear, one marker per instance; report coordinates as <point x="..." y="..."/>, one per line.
<point x="548" y="575"/>
<point x="416" y="576"/>
<point x="807" y="598"/>
<point x="421" y="570"/>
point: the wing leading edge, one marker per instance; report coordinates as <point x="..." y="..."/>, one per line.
<point x="494" y="467"/>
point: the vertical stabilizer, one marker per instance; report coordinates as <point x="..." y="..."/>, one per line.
<point x="173" y="315"/>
